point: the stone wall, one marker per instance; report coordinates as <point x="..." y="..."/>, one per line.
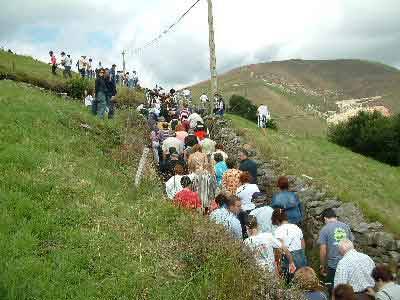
<point x="369" y="237"/>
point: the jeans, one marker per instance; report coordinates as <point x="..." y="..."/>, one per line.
<point x="110" y="104"/>
<point x="243" y="216"/>
<point x="83" y="73"/>
<point x="53" y="69"/>
<point x="67" y="72"/>
<point x="101" y="104"/>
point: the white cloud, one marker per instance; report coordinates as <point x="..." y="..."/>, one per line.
<point x="246" y="32"/>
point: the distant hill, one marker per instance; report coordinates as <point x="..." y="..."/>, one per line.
<point x="288" y="87"/>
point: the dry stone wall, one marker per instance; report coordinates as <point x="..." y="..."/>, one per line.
<point x="369" y="237"/>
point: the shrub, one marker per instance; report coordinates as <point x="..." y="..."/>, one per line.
<point x="129" y="97"/>
<point x="76" y="87"/>
<point x="370" y="134"/>
<point x="242" y="106"/>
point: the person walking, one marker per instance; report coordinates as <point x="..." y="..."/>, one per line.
<point x="68" y="66"/>
<point x="248" y="165"/>
<point x="89" y="69"/>
<point x="263" y="245"/>
<point x="53" y="63"/>
<point x="101" y="92"/>
<point x="110" y="94"/>
<point x="307" y="280"/>
<point x="288" y="201"/>
<point x="292" y="237"/>
<point x="81" y="64"/>
<point x="355" y="269"/>
<point x="187" y="198"/>
<point x="330" y="236"/>
<point x="387" y="289"/>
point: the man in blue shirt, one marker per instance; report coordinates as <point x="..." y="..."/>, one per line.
<point x="247" y="165"/>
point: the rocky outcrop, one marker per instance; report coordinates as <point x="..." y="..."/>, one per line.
<point x="369" y="237"/>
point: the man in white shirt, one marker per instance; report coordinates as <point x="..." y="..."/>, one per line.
<point x="204" y="99"/>
<point x="263" y="116"/>
<point x="68" y="66"/>
<point x="355" y="268"/>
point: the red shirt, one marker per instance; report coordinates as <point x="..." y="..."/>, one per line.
<point x="53" y="60"/>
<point x="187" y="199"/>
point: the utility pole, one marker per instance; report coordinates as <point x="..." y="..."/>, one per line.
<point x="213" y="58"/>
<point x="123" y="61"/>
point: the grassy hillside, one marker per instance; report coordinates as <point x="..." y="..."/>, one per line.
<point x="29" y="70"/>
<point x="352" y="177"/>
<point x="349" y="78"/>
<point x="72" y="226"/>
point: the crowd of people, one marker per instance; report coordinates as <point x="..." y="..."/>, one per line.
<point x="201" y="177"/>
<point x="86" y="69"/>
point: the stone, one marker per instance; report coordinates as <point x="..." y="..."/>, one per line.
<point x="382" y="240"/>
<point x="350" y="214"/>
<point x="375" y="226"/>
<point x="317" y="211"/>
<point x="361" y="227"/>
<point x="395" y="256"/>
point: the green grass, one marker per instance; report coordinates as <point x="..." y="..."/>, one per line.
<point x="72" y="226"/>
<point x="352" y="177"/>
<point x="27" y="69"/>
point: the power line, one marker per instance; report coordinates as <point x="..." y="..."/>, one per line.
<point x="139" y="51"/>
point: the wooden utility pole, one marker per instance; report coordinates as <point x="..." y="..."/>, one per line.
<point x="213" y="57"/>
<point x="123" y="61"/>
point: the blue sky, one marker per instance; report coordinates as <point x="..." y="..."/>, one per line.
<point x="246" y="32"/>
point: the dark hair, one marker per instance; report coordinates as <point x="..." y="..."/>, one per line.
<point x="197" y="148"/>
<point x="185" y="181"/>
<point x="245" y="177"/>
<point x="283" y="183"/>
<point x="219" y="146"/>
<point x="221" y="199"/>
<point x="382" y="272"/>
<point x="329" y="213"/>
<point x="165" y="125"/>
<point x="179" y="169"/>
<point x="218" y="157"/>
<point x="278" y="216"/>
<point x="344" y="292"/>
<point x="172" y="150"/>
<point x="231" y="163"/>
<point x="232" y="200"/>
<point x="244" y="152"/>
<point x="252" y="222"/>
<point x="63" y="53"/>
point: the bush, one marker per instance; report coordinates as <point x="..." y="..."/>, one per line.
<point x="241" y="106"/>
<point x="129" y="97"/>
<point x="370" y="134"/>
<point x="76" y="87"/>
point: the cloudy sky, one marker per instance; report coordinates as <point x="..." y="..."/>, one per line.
<point x="247" y="31"/>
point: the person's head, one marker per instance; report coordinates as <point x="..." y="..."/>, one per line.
<point x="63" y="53"/>
<point x="218" y="157"/>
<point x="219" y="147"/>
<point x="106" y="72"/>
<point x="165" y="126"/>
<point x="243" y="154"/>
<point x="245" y="177"/>
<point x="234" y="204"/>
<point x="307" y="280"/>
<point x="90" y="60"/>
<point x="113" y="66"/>
<point x="185" y="105"/>
<point x="278" y="216"/>
<point x="382" y="274"/>
<point x="197" y="148"/>
<point x="51" y="53"/>
<point x="345" y="246"/>
<point x="283" y="183"/>
<point x="231" y="163"/>
<point x="68" y="55"/>
<point x="343" y="292"/>
<point x="221" y="200"/>
<point x="172" y="150"/>
<point x="329" y="214"/>
<point x="101" y="72"/>
<point x="179" y="127"/>
<point x="252" y="225"/>
<point x="186" y="182"/>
